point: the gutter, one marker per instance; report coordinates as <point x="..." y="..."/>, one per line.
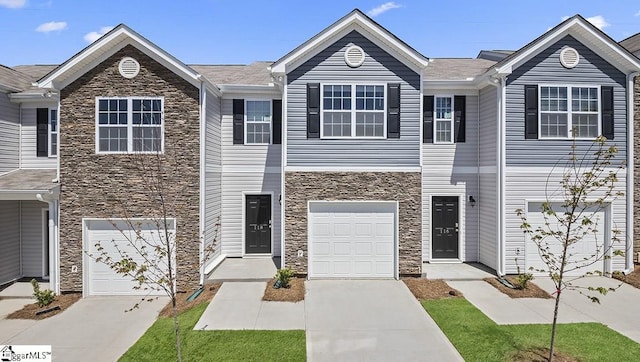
<point x="629" y="267"/>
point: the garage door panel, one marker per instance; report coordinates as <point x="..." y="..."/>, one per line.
<point x="341" y="248"/>
<point x="363" y="229"/>
<point x="363" y="249"/>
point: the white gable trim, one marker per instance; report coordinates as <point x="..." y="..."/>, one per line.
<point x="583" y="32"/>
<point x="354" y="21"/>
<point x="105" y="47"/>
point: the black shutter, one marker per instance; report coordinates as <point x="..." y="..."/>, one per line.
<point x="313" y="110"/>
<point x="276" y="121"/>
<point x="459" y="118"/>
<point x="427" y="119"/>
<point x="238" y="121"/>
<point x="531" y="111"/>
<point x="393" y="110"/>
<point x="42" y="132"/>
<point x="606" y="99"/>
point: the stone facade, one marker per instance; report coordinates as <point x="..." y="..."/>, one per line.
<point x="404" y="187"/>
<point x="636" y="169"/>
<point x="114" y="185"/>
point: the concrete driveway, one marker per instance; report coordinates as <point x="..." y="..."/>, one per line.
<point x="93" y="329"/>
<point x="370" y="320"/>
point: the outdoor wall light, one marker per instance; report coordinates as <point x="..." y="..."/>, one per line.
<point x="472" y="201"/>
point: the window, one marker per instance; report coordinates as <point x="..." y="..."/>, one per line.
<point x="564" y="110"/>
<point x="258" y="118"/>
<point x="443" y="119"/>
<point x="53" y="132"/>
<point x="126" y="125"/>
<point x="344" y="118"/>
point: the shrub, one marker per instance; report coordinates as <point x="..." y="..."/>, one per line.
<point x="283" y="277"/>
<point x="43" y="297"/>
<point x="522" y="280"/>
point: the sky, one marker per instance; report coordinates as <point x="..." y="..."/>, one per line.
<point x="243" y="31"/>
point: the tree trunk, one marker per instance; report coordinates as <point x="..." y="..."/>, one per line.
<point x="176" y="328"/>
<point x="553" y="325"/>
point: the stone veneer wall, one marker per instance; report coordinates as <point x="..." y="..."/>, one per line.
<point x="97" y="186"/>
<point x="636" y="168"/>
<point x="404" y="187"/>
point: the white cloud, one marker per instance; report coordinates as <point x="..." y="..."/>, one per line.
<point x="637" y="14"/>
<point x="598" y="21"/>
<point x="383" y="8"/>
<point x="95" y="35"/>
<point x="51" y="26"/>
<point x="13" y="4"/>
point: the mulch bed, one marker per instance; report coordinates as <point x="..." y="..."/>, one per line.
<point x="210" y="290"/>
<point x="424" y="289"/>
<point x="63" y="301"/>
<point x="541" y="355"/>
<point x="294" y="293"/>
<point x="532" y="290"/>
<point x="633" y="278"/>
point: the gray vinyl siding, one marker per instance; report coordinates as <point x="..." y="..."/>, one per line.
<point x="213" y="178"/>
<point x="451" y="170"/>
<point x="329" y="67"/>
<point x="31" y="226"/>
<point x="487" y="202"/>
<point x="545" y="67"/>
<point x="9" y="241"/>
<point x="526" y="185"/>
<point x="9" y="134"/>
<point x="28" y="158"/>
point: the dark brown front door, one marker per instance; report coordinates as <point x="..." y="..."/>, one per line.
<point x="258" y="224"/>
<point x="445" y="227"/>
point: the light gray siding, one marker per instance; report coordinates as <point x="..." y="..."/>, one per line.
<point x="9" y="134"/>
<point x="452" y="170"/>
<point x="246" y="169"/>
<point x="329" y="67"/>
<point x="28" y="143"/>
<point x="213" y="178"/>
<point x="487" y="202"/>
<point x="9" y="241"/>
<point x="546" y="68"/>
<point x="31" y="226"/>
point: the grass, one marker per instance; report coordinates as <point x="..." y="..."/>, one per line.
<point x="158" y="343"/>
<point x="478" y="338"/>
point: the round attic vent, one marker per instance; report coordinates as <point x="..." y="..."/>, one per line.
<point x="354" y="56"/>
<point x="129" y="67"/>
<point x="569" y="57"/>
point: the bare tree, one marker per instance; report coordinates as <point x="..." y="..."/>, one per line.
<point x="588" y="185"/>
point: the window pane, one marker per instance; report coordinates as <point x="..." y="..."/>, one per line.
<point x="137" y="105"/>
<point x="369" y="124"/>
<point x="337" y="97"/>
<point x="103" y="105"/>
<point x="553" y="99"/>
<point x="584" y="99"/>
<point x="258" y="121"/>
<point x="553" y="125"/>
<point x="370" y="97"/>
<point x="444" y="107"/>
<point x="585" y="125"/>
<point x="337" y="124"/>
<point x="443" y="131"/>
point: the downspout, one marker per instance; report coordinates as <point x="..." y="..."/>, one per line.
<point x="478" y="181"/>
<point x="629" y="267"/>
<point x="283" y="164"/>
<point x="501" y="174"/>
<point x="54" y="253"/>
<point x="203" y="109"/>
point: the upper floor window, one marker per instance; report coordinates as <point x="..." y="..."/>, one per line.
<point x="444" y="119"/>
<point x="567" y="112"/>
<point x="353" y="111"/>
<point x="46" y="132"/>
<point x="53" y="132"/>
<point x="131" y="124"/>
<point x="258" y="119"/>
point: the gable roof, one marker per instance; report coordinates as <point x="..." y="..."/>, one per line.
<point x="632" y="43"/>
<point x="584" y="32"/>
<point x="355" y="20"/>
<point x="12" y="80"/>
<point x="107" y="45"/>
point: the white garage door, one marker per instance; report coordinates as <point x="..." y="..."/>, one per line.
<point x="352" y="240"/>
<point x="100" y="279"/>
<point x="582" y="252"/>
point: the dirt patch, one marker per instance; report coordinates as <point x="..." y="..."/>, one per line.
<point x="532" y="291"/>
<point x="294" y="293"/>
<point x="430" y="288"/>
<point x="182" y="304"/>
<point x="541" y="355"/>
<point x="29" y="311"/>
<point x="633" y="278"/>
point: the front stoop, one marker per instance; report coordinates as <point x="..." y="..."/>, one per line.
<point x="244" y="270"/>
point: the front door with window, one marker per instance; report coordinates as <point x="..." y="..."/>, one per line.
<point x="258" y="224"/>
<point x="445" y="227"/>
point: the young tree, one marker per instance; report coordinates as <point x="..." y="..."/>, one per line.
<point x="588" y="184"/>
<point x="148" y="254"/>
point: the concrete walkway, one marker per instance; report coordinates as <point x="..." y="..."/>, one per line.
<point x="245" y="270"/>
<point x="93" y="329"/>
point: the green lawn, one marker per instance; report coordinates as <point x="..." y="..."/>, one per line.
<point x="158" y="343"/>
<point x="478" y="338"/>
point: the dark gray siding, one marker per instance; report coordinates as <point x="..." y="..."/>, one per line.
<point x="9" y="134"/>
<point x="329" y="67"/>
<point x="546" y="68"/>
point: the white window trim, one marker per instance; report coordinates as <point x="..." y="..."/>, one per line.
<point x="270" y="121"/>
<point x="569" y="111"/>
<point x="354" y="111"/>
<point x="129" y="126"/>
<point x="51" y="135"/>
<point x="436" y="119"/>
